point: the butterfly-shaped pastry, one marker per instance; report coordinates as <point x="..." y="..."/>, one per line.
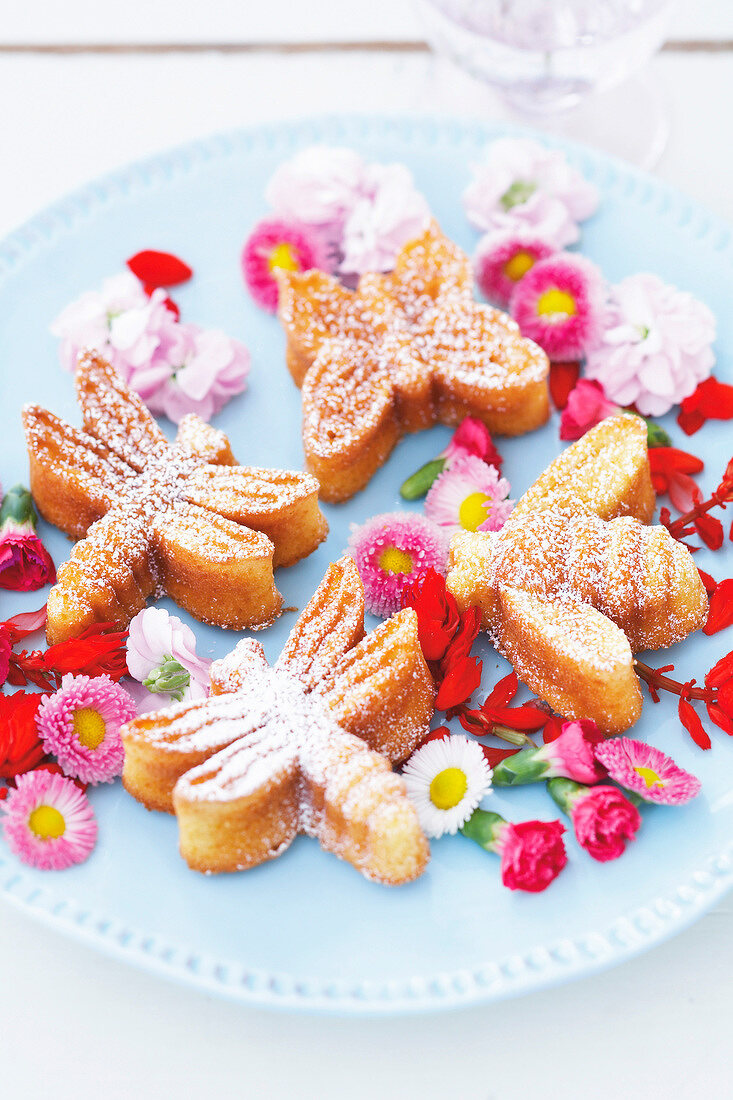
<point x="305" y="746"/>
<point x="155" y="517"/>
<point x="577" y="580"/>
<point x="402" y="352"/>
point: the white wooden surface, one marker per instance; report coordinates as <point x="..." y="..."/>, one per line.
<point x="75" y="1024"/>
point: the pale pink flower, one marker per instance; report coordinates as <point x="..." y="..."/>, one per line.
<point x="155" y="637"/>
<point x="318" y="186"/>
<point x="209" y="369"/>
<point x="655" y="344"/>
<point x="469" y="496"/>
<point x="388" y="213"/>
<point x="587" y="406"/>
<point x="522" y="183"/>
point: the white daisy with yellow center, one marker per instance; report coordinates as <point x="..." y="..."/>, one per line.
<point x="446" y="779"/>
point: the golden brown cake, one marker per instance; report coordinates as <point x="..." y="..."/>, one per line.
<point x="155" y="517"/>
<point x="576" y="580"/>
<point x="402" y="352"/>
<point x="291" y="749"/>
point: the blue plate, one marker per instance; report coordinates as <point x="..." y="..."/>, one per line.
<point x="306" y="931"/>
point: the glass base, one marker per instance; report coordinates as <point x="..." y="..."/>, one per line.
<point x="631" y="120"/>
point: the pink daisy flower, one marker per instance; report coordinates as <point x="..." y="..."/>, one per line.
<point x="48" y="822"/>
<point x="559" y="305"/>
<point x="388" y="550"/>
<point x="277" y="243"/>
<point x="648" y="772"/>
<point x="502" y="258"/>
<point x="80" y="726"/>
<point x="469" y="496"/>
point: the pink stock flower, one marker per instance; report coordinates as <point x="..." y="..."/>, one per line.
<point x="469" y="496"/>
<point x="654" y="344"/>
<point x="157" y="642"/>
<point x="558" y="304"/>
<point x="532" y="854"/>
<point x="646" y="771"/>
<point x="522" y="184"/>
<point x="278" y="243"/>
<point x="48" y="822"/>
<point x="318" y="186"/>
<point x="80" y="725"/>
<point x="472" y="437"/>
<point x="587" y="406"/>
<point x="604" y="820"/>
<point x="136" y="333"/>
<point x="210" y="369"/>
<point x="389" y="550"/>
<point x="503" y="257"/>
<point x="388" y="213"/>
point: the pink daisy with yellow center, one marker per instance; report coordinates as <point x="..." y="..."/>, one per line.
<point x="647" y="771"/>
<point x="48" y="822"/>
<point x="469" y="496"/>
<point x="278" y="244"/>
<point x="504" y="257"/>
<point x="388" y="550"/>
<point x="559" y="305"/>
<point x="80" y="726"/>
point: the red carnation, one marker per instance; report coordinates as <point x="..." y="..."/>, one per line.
<point x="532" y="854"/>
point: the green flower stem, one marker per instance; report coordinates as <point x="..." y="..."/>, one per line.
<point x="485" y="828"/>
<point x="514" y="737"/>
<point x="17" y="508"/>
<point x="418" y="483"/>
<point x="525" y="766"/>
<point x="565" y="792"/>
<point x="169" y="677"/>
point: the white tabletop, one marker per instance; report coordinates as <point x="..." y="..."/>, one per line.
<point x="86" y="87"/>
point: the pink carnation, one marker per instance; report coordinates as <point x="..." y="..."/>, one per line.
<point x="502" y="258"/>
<point x="472" y="437"/>
<point x="604" y="820"/>
<point x="572" y="754"/>
<point x="558" y="304"/>
<point x="532" y="854"/>
<point x="587" y="405"/>
<point x="521" y="184"/>
<point x="654" y="345"/>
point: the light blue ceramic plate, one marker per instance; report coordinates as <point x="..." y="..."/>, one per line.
<point x="308" y="932"/>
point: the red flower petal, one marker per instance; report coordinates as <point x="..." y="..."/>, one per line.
<point x="720" y="718"/>
<point x="460" y="682"/>
<point x="27" y="622"/>
<point x="712" y="400"/>
<point x="159" y="268"/>
<point x="563" y="379"/>
<point x="720" y="672"/>
<point x="502" y="693"/>
<point x="709" y="582"/>
<point x="495" y="756"/>
<point x="710" y="531"/>
<point x="720" y="614"/>
<point x="691" y="721"/>
<point x="553" y="728"/>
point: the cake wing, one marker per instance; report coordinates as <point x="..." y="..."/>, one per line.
<point x="606" y="472"/>
<point x="382" y="690"/>
<point x="349" y="417"/>
<point x="571" y="655"/>
<point x="196" y="437"/>
<point x="282" y="504"/>
<point x="115" y="414"/>
<point x="331" y="624"/>
<point x="74" y="478"/>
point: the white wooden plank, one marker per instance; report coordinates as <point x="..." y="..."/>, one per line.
<point x="78" y="117"/>
<point x="222" y="21"/>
